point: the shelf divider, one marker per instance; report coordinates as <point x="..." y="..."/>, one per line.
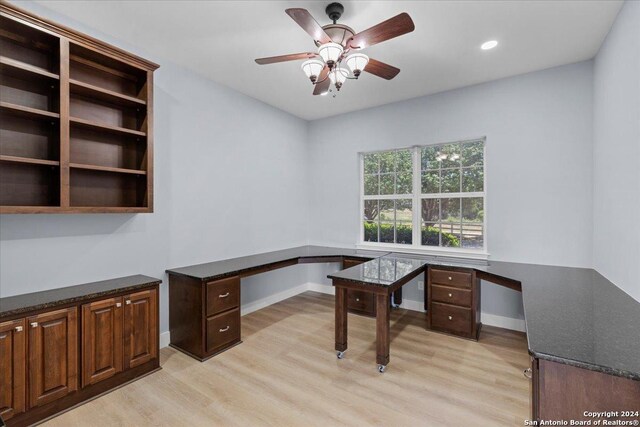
<point x="28" y="111"/>
<point x="23" y="69"/>
<point x="29" y="160"/>
<point x="107" y="169"/>
<point x="89" y="90"/>
<point x="104" y="127"/>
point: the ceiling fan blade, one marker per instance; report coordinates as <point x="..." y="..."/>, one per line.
<point x="394" y="27"/>
<point x="381" y="69"/>
<point x="284" y="58"/>
<point x="324" y="80"/>
<point x="310" y="25"/>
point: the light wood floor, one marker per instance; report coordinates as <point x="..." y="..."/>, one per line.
<point x="285" y="373"/>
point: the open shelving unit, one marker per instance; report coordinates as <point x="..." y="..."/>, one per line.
<point x="76" y="121"/>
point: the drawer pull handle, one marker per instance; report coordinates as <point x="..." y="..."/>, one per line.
<point x="18" y="328"/>
<point x="224" y="329"/>
<point x="450" y="317"/>
<point x="450" y="295"/>
<point x="118" y="304"/>
<point x="357" y="299"/>
<point x="450" y="278"/>
<point x="527" y="373"/>
<point x="34" y="324"/>
<point x="128" y="302"/>
<point x="223" y="296"/>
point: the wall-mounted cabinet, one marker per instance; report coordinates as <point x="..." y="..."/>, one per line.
<point x="76" y="121"/>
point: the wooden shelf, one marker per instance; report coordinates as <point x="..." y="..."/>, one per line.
<point x="30" y="161"/>
<point x="112" y="97"/>
<point x="29" y="112"/>
<point x="107" y="169"/>
<point x="23" y="70"/>
<point x="107" y="128"/>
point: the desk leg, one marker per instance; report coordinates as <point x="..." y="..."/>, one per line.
<point x="382" y="331"/>
<point x="341" y="320"/>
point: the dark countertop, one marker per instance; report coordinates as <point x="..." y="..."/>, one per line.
<point x="386" y="270"/>
<point x="245" y="264"/>
<point x="15" y="305"/>
<point x="572" y="315"/>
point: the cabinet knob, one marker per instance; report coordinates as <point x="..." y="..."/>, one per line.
<point x="450" y="317"/>
<point x="223" y="296"/>
<point x="128" y="302"/>
<point x="224" y="329"/>
<point x="118" y="304"/>
<point x="34" y="324"/>
<point x="358" y="299"/>
<point x="450" y="278"/>
<point x="18" y="328"/>
<point x="450" y="295"/>
<point x="527" y="373"/>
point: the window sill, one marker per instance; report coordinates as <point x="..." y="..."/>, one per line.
<point x="450" y="253"/>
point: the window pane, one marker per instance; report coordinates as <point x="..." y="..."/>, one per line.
<point x="371" y="185"/>
<point x="473" y="209"/>
<point x="387" y="183"/>
<point x="473" y="153"/>
<point x="431" y="210"/>
<point x="472" y="236"/>
<point x="370" y="231"/>
<point x="450" y="154"/>
<point x="431" y="182"/>
<point x="430" y="234"/>
<point x="387" y="161"/>
<point x="428" y="157"/>
<point x="403" y="210"/>
<point x="386" y="232"/>
<point x="472" y="179"/>
<point x="450" y="235"/>
<point x="450" y="210"/>
<point x="404" y="232"/>
<point x="404" y="162"/>
<point x="404" y="183"/>
<point x="387" y="211"/>
<point x="371" y="163"/>
<point x="451" y="181"/>
<point x="371" y="209"/>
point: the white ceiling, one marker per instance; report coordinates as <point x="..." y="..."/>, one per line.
<point x="221" y="39"/>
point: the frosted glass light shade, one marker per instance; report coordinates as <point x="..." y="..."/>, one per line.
<point x="312" y="67"/>
<point x="330" y="51"/>
<point x="356" y="62"/>
<point x="338" y="75"/>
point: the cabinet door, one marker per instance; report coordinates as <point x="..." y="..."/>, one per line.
<point x="140" y="328"/>
<point x="53" y="355"/>
<point x="13" y="365"/>
<point x="101" y="340"/>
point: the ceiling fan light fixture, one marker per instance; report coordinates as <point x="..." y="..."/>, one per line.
<point x="357" y="62"/>
<point x="338" y="76"/>
<point x="330" y="52"/>
<point x="312" y="69"/>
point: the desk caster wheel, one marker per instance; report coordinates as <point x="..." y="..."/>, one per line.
<point x="382" y="368"/>
<point x="340" y="354"/>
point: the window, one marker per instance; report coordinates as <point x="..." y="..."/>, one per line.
<point x="429" y="196"/>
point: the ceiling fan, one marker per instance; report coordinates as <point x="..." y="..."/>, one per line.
<point x="338" y="44"/>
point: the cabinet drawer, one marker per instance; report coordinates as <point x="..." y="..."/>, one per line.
<point x="360" y="301"/>
<point x="222" y="330"/>
<point x="450" y="278"/>
<point x="451" y="318"/>
<point x="223" y="295"/>
<point x="449" y="295"/>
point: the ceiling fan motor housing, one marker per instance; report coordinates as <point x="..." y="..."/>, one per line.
<point x="334" y="11"/>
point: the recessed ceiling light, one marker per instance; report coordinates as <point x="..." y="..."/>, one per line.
<point x="489" y="45"/>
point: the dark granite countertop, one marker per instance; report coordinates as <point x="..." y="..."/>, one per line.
<point x="572" y="315"/>
<point x="386" y="270"/>
<point x="240" y="265"/>
<point x="15" y="305"/>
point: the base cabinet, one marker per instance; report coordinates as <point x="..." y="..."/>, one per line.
<point x="53" y="355"/>
<point x="56" y="359"/>
<point x="13" y="368"/>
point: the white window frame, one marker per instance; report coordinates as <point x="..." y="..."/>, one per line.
<point x="416" y="197"/>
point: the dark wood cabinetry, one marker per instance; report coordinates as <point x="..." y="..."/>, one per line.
<point x="54" y="358"/>
<point x="101" y="340"/>
<point x="452" y="298"/>
<point x="359" y="302"/>
<point x="76" y="121"/>
<point x="13" y="368"/>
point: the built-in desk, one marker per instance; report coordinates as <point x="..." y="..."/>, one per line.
<point x="582" y="330"/>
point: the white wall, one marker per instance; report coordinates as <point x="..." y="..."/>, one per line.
<point x="539" y="162"/>
<point x="616" y="207"/>
<point x="229" y="181"/>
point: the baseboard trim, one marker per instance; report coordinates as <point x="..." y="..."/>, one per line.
<point x="486" y="318"/>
